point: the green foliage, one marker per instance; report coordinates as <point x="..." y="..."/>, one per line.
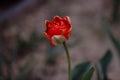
<point x="102" y="66"/>
<point x="115" y="13"/>
<point x="83" y="71"/>
<point x="88" y="74"/>
<point x="114" y="41"/>
<point x="105" y="61"/>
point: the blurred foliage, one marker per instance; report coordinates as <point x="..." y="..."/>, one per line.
<point x="115" y="14"/>
<point x="104" y="63"/>
<point x="116" y="43"/>
<point x="103" y="66"/>
<point x="83" y="71"/>
<point x="21" y="49"/>
<point x="29" y="45"/>
<point x="88" y="75"/>
<point x="26" y="68"/>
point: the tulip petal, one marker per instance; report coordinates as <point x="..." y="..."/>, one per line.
<point x="47" y="23"/>
<point x="68" y="19"/>
<point x="57" y="18"/>
<point x="52" y="43"/>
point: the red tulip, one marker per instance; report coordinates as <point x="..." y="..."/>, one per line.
<point x="58" y="30"/>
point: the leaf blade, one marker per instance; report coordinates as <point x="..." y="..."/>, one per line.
<point x="81" y="70"/>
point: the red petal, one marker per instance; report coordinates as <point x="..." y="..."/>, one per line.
<point x="67" y="19"/>
<point x="57" y="18"/>
<point x="47" y="23"/>
<point x="52" y="43"/>
<point x="47" y="35"/>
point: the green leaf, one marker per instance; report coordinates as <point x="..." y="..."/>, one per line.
<point x="104" y="63"/>
<point x="114" y="41"/>
<point x="81" y="71"/>
<point x="88" y="74"/>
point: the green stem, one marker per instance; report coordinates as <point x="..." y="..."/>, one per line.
<point x="69" y="61"/>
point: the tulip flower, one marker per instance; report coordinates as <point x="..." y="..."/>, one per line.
<point x="58" y="30"/>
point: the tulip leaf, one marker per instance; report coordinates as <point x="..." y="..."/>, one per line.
<point x="104" y="63"/>
<point x="88" y="74"/>
<point x="82" y="71"/>
<point x="114" y="41"/>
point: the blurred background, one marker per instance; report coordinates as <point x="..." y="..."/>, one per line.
<point x="25" y="54"/>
